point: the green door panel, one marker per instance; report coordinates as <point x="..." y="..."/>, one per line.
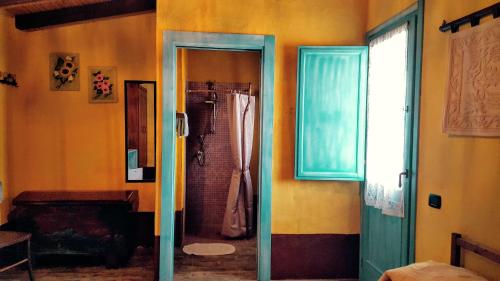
<point x="382" y="244"/>
<point x="331" y="112"/>
<point x="388" y="242"/>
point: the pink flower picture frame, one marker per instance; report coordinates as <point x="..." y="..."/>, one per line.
<point x="102" y="85"/>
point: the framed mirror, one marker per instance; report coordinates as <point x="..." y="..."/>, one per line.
<point x="140" y="131"/>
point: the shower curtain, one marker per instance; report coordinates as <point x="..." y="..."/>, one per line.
<point x="238" y="215"/>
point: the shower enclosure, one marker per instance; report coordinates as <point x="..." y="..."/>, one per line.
<point x="209" y="162"/>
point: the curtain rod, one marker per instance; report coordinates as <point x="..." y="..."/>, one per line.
<point x="473" y="18"/>
<point x="216" y="90"/>
<point x="212" y="89"/>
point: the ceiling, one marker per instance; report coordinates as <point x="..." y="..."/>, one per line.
<point x="22" y="7"/>
<point x="31" y="15"/>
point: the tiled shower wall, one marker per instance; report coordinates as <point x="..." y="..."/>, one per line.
<point x="207" y="186"/>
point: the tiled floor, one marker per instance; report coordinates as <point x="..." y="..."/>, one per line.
<point x="239" y="266"/>
<point x="242" y="265"/>
<point x="141" y="268"/>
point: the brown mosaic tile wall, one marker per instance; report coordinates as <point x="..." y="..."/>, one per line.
<point x="207" y="187"/>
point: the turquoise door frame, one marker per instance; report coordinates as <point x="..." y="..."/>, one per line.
<point x="414" y="17"/>
<point x="172" y="40"/>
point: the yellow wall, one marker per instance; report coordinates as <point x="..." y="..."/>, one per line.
<point x="380" y="11"/>
<point x="297" y="206"/>
<point x="463" y="170"/>
<point x="224" y="66"/>
<point x="57" y="140"/>
<point x="4" y="92"/>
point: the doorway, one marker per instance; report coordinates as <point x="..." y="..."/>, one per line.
<point x="229" y="42"/>
<point x="388" y="193"/>
<point x="217" y="166"/>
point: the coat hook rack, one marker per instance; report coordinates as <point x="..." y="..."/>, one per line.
<point x="474" y="18"/>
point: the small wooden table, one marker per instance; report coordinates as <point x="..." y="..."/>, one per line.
<point x="10" y="238"/>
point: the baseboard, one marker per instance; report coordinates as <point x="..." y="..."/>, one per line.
<point x="178" y="237"/>
<point x="156" y="258"/>
<point x="179" y="228"/>
<point x="306" y="256"/>
<point x="144" y="228"/>
<point x="314" y="256"/>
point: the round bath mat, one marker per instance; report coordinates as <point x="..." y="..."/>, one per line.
<point x="209" y="249"/>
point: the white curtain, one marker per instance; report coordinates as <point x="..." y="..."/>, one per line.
<point x="238" y="215"/>
<point x="386" y="121"/>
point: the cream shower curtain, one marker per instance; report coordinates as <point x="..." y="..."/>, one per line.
<point x="238" y="215"/>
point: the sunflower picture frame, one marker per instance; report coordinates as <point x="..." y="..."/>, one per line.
<point x="102" y="84"/>
<point x="64" y="72"/>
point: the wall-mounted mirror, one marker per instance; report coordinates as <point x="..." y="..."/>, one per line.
<point x="140" y="130"/>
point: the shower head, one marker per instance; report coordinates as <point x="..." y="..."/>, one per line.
<point x="213" y="97"/>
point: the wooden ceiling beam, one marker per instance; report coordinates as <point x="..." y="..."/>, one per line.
<point x="82" y="13"/>
<point x="6" y="3"/>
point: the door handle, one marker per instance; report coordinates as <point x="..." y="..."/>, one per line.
<point x="405" y="173"/>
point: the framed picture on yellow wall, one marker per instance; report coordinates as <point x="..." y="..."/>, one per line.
<point x="64" y="72"/>
<point x="102" y="85"/>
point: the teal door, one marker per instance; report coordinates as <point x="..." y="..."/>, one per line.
<point x="386" y="194"/>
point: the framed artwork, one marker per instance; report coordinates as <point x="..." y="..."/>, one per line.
<point x="472" y="100"/>
<point x="64" y="72"/>
<point x="102" y="85"/>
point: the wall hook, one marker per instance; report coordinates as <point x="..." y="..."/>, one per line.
<point x="8" y="79"/>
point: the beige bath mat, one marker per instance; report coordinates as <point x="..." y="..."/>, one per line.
<point x="209" y="249"/>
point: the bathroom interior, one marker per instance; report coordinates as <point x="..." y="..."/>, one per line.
<point x="66" y="144"/>
<point x="216" y="201"/>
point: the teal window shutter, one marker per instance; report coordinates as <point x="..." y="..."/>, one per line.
<point x="331" y="113"/>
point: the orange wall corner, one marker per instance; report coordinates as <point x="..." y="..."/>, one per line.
<point x="379" y="11"/>
<point x="58" y="140"/>
<point x="465" y="171"/>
